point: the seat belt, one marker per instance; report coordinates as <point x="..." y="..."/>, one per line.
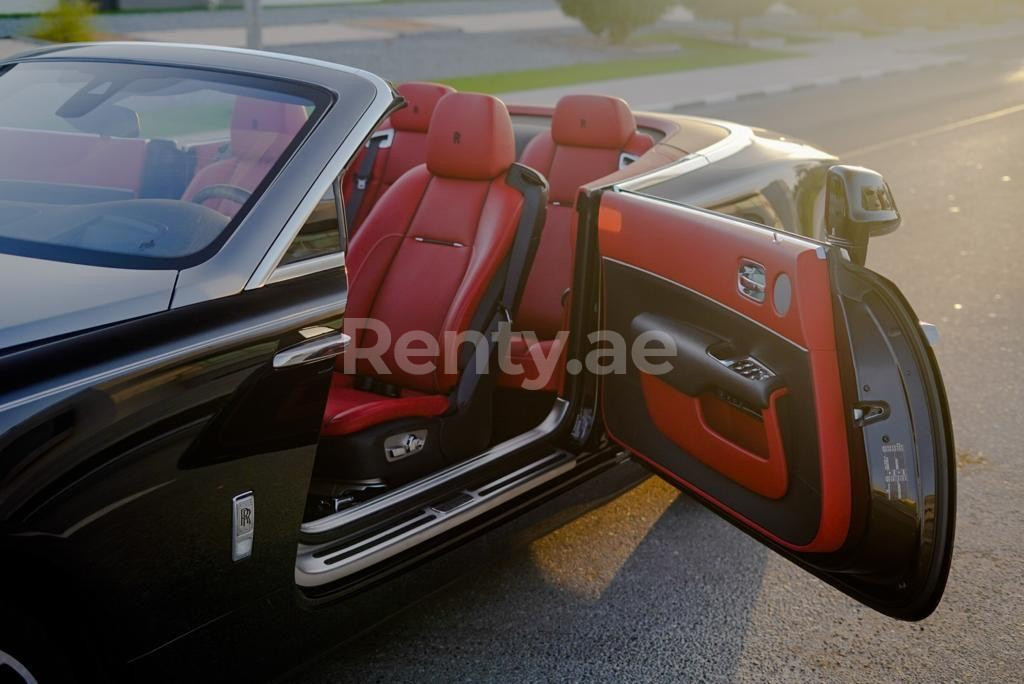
<point x="534" y="188"/>
<point x="378" y="141"/>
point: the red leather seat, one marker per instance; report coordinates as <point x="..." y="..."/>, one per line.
<point x="589" y="136"/>
<point x="425" y="260"/>
<point x="406" y="147"/>
<point x="260" y="132"/>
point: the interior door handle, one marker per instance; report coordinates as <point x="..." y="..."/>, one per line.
<point x="326" y="345"/>
<point x="700" y="367"/>
<point x="751" y="280"/>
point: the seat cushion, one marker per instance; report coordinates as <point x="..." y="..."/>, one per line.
<point x="350" y="410"/>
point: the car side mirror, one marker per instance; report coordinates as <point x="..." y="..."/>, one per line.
<point x="858" y="207"/>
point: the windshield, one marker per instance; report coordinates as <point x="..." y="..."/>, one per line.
<point x="137" y="165"/>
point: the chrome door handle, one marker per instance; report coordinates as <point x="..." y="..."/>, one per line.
<point x="326" y="345"/>
<point x="751" y="280"/>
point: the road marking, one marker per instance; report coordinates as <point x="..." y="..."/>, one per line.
<point x="938" y="130"/>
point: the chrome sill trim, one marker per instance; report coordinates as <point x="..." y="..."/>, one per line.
<point x="495" y="453"/>
<point x="306" y="267"/>
<point x="314" y="566"/>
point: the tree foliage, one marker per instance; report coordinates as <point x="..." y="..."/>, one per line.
<point x="616" y="19"/>
<point x="733" y="11"/>
<point x="70" y="21"/>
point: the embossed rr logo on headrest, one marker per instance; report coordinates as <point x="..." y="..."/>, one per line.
<point x="457" y="138"/>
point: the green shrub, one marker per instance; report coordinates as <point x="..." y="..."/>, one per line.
<point x="615" y="18"/>
<point x="69" y="22"/>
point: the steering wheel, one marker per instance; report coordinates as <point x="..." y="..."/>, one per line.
<point x="232" y="193"/>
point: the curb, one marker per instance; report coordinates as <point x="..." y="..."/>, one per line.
<point x="720" y="98"/>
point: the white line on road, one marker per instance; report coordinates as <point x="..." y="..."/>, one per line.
<point x="938" y="130"/>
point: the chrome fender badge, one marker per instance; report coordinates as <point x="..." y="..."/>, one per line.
<point x="243" y="526"/>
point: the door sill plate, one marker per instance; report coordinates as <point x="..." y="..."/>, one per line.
<point x="320" y="564"/>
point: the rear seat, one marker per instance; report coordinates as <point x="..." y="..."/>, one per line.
<point x="591" y="136"/>
<point x="400" y="143"/>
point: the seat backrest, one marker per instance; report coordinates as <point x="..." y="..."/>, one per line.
<point x="429" y="251"/>
<point x="261" y="130"/>
<point x="406" y="148"/>
<point x="589" y="136"/>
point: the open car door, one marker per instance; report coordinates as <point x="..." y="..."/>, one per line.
<point x="802" y="401"/>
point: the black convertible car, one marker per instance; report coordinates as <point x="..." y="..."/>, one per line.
<point x="283" y="348"/>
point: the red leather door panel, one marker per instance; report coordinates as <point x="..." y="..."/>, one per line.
<point x="777" y="350"/>
<point x="699" y="254"/>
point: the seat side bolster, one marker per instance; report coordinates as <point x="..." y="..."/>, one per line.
<point x="374" y="247"/>
<point x="539" y="153"/>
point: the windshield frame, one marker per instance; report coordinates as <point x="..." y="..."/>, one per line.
<point x="323" y="100"/>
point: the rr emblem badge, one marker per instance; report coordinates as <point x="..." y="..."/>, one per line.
<point x="243" y="526"/>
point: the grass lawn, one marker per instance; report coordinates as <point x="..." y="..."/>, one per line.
<point x="695" y="53"/>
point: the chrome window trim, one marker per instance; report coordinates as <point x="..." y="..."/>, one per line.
<point x="306" y="267"/>
<point x="267" y="270"/>
<point x="378" y="109"/>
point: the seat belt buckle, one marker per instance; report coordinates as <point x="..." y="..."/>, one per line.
<point x="361" y="183"/>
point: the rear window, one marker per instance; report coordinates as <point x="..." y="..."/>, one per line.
<point x="138" y="166"/>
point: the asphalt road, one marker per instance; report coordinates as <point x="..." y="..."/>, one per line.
<point x="652" y="587"/>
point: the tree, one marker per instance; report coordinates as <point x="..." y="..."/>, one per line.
<point x="69" y="21"/>
<point x="615" y="18"/>
<point x="819" y="10"/>
<point x="734" y="11"/>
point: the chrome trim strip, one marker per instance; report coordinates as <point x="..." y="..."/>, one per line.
<point x="320" y="564"/>
<point x="707" y="298"/>
<point x="327" y="345"/>
<point x="307" y="266"/>
<point x="739" y="138"/>
<point x="257" y="330"/>
<point x="687" y="164"/>
<point x="346" y="151"/>
<point x="495" y="453"/>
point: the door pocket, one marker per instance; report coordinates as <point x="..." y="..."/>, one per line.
<point x="746" y="449"/>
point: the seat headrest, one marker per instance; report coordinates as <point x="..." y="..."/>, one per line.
<point x="262" y="129"/>
<point x="420" y="101"/>
<point x="592" y="121"/>
<point x="470" y="137"/>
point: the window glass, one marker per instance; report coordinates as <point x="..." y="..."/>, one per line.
<point x="320" y="234"/>
<point x="137" y="165"/>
